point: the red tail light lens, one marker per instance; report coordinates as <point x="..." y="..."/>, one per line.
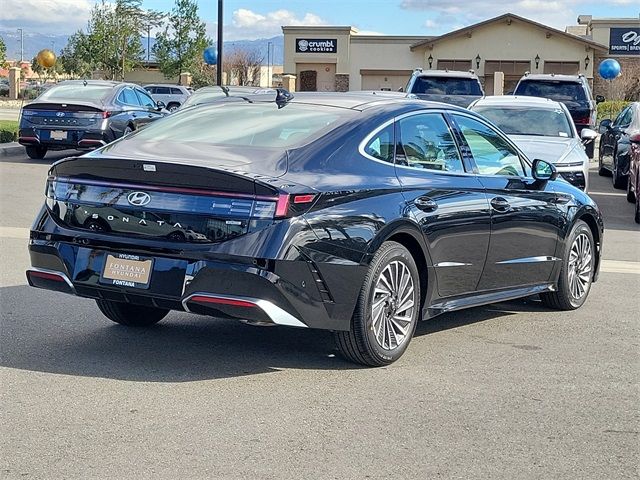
<point x="289" y="205"/>
<point x="106" y="114"/>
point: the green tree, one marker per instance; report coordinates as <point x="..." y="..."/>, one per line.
<point x="112" y="41"/>
<point x="3" y="52"/>
<point x="180" y="46"/>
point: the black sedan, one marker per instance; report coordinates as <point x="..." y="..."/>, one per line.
<point x="615" y="144"/>
<point x="355" y="213"/>
<point x="83" y="115"/>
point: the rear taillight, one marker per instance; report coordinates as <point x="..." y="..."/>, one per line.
<point x="289" y="205"/>
<point x="582" y="120"/>
<point x="106" y="114"/>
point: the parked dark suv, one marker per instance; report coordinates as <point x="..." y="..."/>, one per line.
<point x="453" y="87"/>
<point x="572" y="90"/>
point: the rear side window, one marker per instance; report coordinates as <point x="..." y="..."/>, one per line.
<point x="129" y="97"/>
<point x="145" y="99"/>
<point x="624" y="118"/>
<point x="553" y="89"/>
<point x="425" y="142"/>
<point x="150" y="89"/>
<point x="381" y="145"/>
<point x="176" y="91"/>
<point x="492" y="154"/>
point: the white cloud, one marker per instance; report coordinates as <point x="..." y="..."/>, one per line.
<point x="249" y="25"/>
<point x="45" y="16"/>
<point x="556" y="13"/>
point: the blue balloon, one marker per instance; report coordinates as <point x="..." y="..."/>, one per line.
<point x="609" y="69"/>
<point x="210" y="55"/>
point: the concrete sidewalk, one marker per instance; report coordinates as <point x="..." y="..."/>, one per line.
<point x="10" y="149"/>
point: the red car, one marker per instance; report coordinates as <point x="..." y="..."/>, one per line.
<point x="633" y="194"/>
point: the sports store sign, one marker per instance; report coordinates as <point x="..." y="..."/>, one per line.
<point x="316" y="45"/>
<point x="624" y="41"/>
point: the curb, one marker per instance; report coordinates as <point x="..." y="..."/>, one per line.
<point x="10" y="149"/>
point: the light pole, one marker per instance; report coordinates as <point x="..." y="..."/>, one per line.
<point x="21" y="45"/>
<point x="219" y="63"/>
<point x="269" y="56"/>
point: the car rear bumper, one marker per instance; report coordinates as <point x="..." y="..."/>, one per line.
<point x="292" y="292"/>
<point x="75" y="139"/>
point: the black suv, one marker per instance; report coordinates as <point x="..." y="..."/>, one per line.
<point x="453" y="87"/>
<point x="572" y="90"/>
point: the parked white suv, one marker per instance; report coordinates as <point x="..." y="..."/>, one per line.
<point x="171" y="95"/>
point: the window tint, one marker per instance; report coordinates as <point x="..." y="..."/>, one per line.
<point x="77" y="91"/>
<point x="492" y="154"/>
<point x="425" y="141"/>
<point x="176" y="91"/>
<point x="129" y="97"/>
<point x="446" y="86"/>
<point x="150" y="89"/>
<point x="553" y="89"/>
<point x="145" y="100"/>
<point x="624" y="118"/>
<point x="381" y="145"/>
<point x="163" y="90"/>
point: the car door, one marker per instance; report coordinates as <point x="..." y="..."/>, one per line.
<point x="449" y="204"/>
<point x="525" y="218"/>
<point x="132" y="107"/>
<point x="149" y="110"/>
<point x="612" y="134"/>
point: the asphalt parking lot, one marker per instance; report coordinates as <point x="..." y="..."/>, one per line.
<point x="511" y="390"/>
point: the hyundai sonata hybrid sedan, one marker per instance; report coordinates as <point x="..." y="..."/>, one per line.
<point x="543" y="129"/>
<point x="354" y="213"/>
<point x="84" y="114"/>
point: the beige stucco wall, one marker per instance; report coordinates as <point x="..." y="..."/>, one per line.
<point x="382" y="53"/>
<point x="518" y="41"/>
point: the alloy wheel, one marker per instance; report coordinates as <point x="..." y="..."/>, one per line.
<point x="394" y="301"/>
<point x="579" y="271"/>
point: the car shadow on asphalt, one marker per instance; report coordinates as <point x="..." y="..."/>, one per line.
<point x="48" y="332"/>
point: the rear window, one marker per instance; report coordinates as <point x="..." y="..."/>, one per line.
<point x="77" y="92"/>
<point x="548" y="122"/>
<point x="256" y="125"/>
<point x="553" y="89"/>
<point x="446" y="86"/>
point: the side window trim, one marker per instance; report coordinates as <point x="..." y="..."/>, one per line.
<point x="526" y="168"/>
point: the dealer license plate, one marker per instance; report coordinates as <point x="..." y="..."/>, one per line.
<point x="127" y="271"/>
<point x="58" y="135"/>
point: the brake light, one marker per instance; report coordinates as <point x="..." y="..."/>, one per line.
<point x="582" y="120"/>
<point x="289" y="205"/>
<point x="106" y="114"/>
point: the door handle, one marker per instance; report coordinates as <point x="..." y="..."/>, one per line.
<point x="425" y="204"/>
<point x="500" y="204"/>
<point x="134" y="115"/>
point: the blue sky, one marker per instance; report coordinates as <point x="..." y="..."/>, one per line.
<point x="250" y="19"/>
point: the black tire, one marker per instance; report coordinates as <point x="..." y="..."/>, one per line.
<point x="563" y="298"/>
<point x="127" y="130"/>
<point x="36" y="152"/>
<point x="589" y="149"/>
<point x="603" y="172"/>
<point x="360" y="344"/>
<point x="619" y="181"/>
<point x="172" y="107"/>
<point x="631" y="197"/>
<point x="131" y="315"/>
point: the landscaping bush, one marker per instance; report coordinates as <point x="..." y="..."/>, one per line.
<point x="8" y="131"/>
<point x="610" y="109"/>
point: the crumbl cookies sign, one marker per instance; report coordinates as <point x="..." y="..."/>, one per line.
<point x="624" y="41"/>
<point x="316" y="45"/>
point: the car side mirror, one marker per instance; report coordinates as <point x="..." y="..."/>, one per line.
<point x="587" y="135"/>
<point x="160" y="105"/>
<point x="605" y="125"/>
<point x="401" y="89"/>
<point x="543" y="170"/>
<point x="599" y="98"/>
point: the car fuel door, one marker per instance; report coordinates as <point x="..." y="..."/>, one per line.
<point x="449" y="205"/>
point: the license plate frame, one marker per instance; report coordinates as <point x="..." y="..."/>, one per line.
<point x="124" y="270"/>
<point x="58" y="135"/>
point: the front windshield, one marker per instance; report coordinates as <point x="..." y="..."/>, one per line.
<point x="77" y="92"/>
<point x="547" y="122"/>
<point x="446" y="86"/>
<point x="246" y="124"/>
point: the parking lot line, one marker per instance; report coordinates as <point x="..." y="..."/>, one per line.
<point x="608" y="194"/>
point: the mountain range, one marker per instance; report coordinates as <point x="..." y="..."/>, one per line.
<point x="34" y="42"/>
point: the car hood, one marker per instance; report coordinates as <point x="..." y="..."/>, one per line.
<point x="555" y="150"/>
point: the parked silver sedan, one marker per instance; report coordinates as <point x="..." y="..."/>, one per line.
<point x="543" y="129"/>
